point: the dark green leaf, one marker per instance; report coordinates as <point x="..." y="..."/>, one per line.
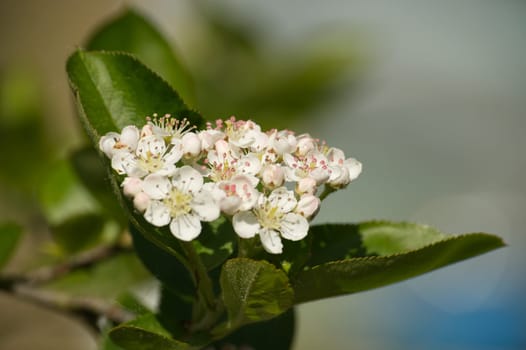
<point x="274" y="334"/>
<point x="164" y="266"/>
<point x="429" y="251"/>
<point x="215" y="243"/>
<point x="147" y="333"/>
<point x="130" y="32"/>
<point x="253" y="291"/>
<point x="114" y="90"/>
<point x="9" y="236"/>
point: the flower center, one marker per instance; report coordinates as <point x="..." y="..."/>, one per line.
<point x="178" y="202"/>
<point x="151" y="163"/>
<point x="269" y="216"/>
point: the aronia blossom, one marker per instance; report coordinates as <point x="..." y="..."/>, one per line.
<point x="177" y="176"/>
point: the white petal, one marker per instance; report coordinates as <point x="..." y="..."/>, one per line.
<point x="271" y="241"/>
<point x="123" y="162"/>
<point x="107" y="142"/>
<point x="157" y="214"/>
<point x="174" y="154"/>
<point x="141" y="202"/>
<point x="186" y="227"/>
<point x="335" y="156"/>
<point x="245" y="224"/>
<point x="191" y="144"/>
<point x="150" y="145"/>
<point x="283" y="199"/>
<point x="230" y="204"/>
<point x="249" y="165"/>
<point x="130" y="137"/>
<point x="354" y="167"/>
<point x="156" y="186"/>
<point x="294" y="227"/>
<point x="205" y="206"/>
<point x="188" y="180"/>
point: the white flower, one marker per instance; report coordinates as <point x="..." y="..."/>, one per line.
<point x="191" y="145"/>
<point x="113" y="142"/>
<point x="244" y="134"/>
<point x="282" y="141"/>
<point x="305" y="144"/>
<point x="343" y="171"/>
<point x="152" y="156"/>
<point x="272" y="218"/>
<point x="237" y="194"/>
<point x="183" y="202"/>
<point x="226" y="162"/>
<point x="131" y="186"/>
<point x="313" y="165"/>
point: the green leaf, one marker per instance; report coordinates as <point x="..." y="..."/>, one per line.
<point x="114" y="90"/>
<point x="400" y="256"/>
<point x="107" y="279"/>
<point x="9" y="236"/>
<point x="164" y="266"/>
<point x="147" y="333"/>
<point x="253" y="291"/>
<point x="275" y="334"/>
<point x="216" y="243"/>
<point x="131" y="32"/>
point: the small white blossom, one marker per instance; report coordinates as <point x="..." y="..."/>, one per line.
<point x="272" y="175"/>
<point x="343" y="171"/>
<point x="237" y="194"/>
<point x="313" y="165"/>
<point x="181" y="202"/>
<point x="282" y="141"/>
<point x="131" y="186"/>
<point x="307" y="205"/>
<point x="113" y="142"/>
<point x="272" y="218"/>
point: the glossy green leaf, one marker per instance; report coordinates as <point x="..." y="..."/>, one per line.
<point x="346" y="268"/>
<point x="10" y="234"/>
<point x="275" y="334"/>
<point x="253" y="291"/>
<point x="107" y="279"/>
<point x="131" y="32"/>
<point x="147" y="333"/>
<point x="114" y="90"/>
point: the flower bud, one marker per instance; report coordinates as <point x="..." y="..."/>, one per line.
<point x="306" y="185"/>
<point x="131" y="186"/>
<point x="141" y="201"/>
<point x="191" y="144"/>
<point x="272" y="176"/>
<point x="308" y="205"/>
<point x="305" y="144"/>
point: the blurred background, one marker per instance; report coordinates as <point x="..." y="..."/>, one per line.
<point x="430" y="96"/>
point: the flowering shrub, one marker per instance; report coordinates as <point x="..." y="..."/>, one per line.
<point x="179" y="176"/>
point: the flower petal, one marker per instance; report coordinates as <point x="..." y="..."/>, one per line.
<point x="271" y="241"/>
<point x="157" y="214"/>
<point x="130" y="137"/>
<point x="354" y="167"/>
<point x="150" y="146"/>
<point x="294" y="227"/>
<point x="186" y="227"/>
<point x="283" y="199"/>
<point x="205" y="206"/>
<point x="246" y="224"/>
<point x="156" y="186"/>
<point x="188" y="180"/>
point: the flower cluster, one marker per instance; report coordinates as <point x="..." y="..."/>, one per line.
<point x="268" y="183"/>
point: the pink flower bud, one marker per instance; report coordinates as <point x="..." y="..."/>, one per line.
<point x="273" y="176"/>
<point x="131" y="186"/>
<point x="306" y="185"/>
<point x="141" y="201"/>
<point x="308" y="205"/>
<point x="305" y="144"/>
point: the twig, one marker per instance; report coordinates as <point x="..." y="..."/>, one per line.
<point x="91" y="310"/>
